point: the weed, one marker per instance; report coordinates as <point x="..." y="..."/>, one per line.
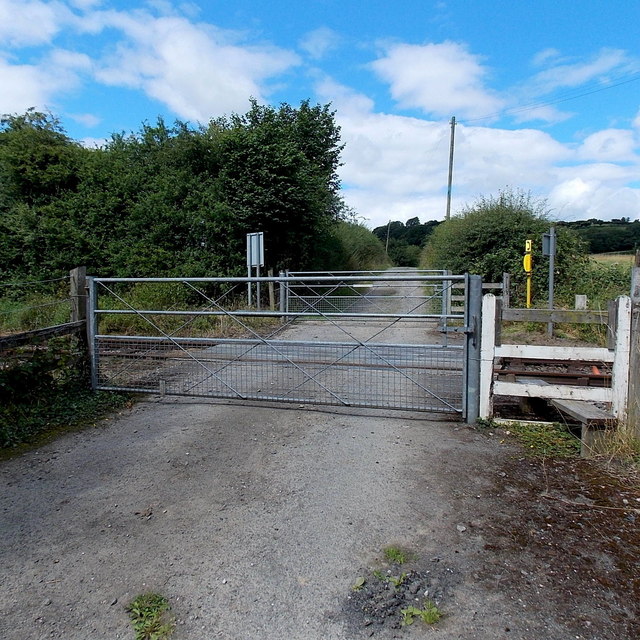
<point x="622" y="447"/>
<point x="396" y="582"/>
<point x="149" y="614"/>
<point x="429" y="614"/>
<point x="542" y="440"/>
<point x="396" y="555"/>
<point x="485" y="423"/>
<point x="378" y="574"/>
<point x="359" y="584"/>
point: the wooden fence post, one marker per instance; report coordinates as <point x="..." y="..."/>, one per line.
<point x="506" y="290"/>
<point x="633" y="412"/>
<point x="78" y="294"/>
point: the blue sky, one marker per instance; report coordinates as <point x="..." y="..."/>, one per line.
<point x="546" y="94"/>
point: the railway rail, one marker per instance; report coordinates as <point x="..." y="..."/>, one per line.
<point x="570" y="372"/>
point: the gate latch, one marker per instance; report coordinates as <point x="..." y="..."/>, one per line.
<point x="456" y="330"/>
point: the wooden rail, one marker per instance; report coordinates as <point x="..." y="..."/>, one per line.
<point x="28" y="337"/>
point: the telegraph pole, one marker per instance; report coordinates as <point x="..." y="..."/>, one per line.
<point x="453" y="135"/>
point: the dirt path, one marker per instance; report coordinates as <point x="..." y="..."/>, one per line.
<point x="255" y="522"/>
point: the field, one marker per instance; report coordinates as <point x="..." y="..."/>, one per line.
<point x="614" y="258"/>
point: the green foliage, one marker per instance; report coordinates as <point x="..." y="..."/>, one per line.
<point x="168" y="200"/>
<point x="488" y="238"/>
<point x="543" y="440"/>
<point x="355" y="248"/>
<point x="46" y="389"/>
<point x="429" y="614"/>
<point x="396" y="555"/>
<point x="149" y="614"/>
<point x="608" y="236"/>
<point x="404" y="241"/>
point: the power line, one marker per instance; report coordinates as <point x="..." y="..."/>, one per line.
<point x="546" y="103"/>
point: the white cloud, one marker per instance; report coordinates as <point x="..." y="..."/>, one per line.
<point x="396" y="167"/>
<point x="93" y="143"/>
<point x="87" y="119"/>
<point x="29" y="23"/>
<point x="543" y="57"/>
<point x="38" y="85"/>
<point x="440" y="79"/>
<point x="196" y="70"/>
<point x="578" y="73"/>
<point x="581" y="199"/>
<point x="614" y="145"/>
<point x="319" y="42"/>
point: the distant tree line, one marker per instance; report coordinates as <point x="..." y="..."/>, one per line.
<point x="404" y="241"/>
<point x="174" y="200"/>
<point x="607" y="236"/>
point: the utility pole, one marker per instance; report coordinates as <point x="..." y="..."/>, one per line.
<point x="453" y="135"/>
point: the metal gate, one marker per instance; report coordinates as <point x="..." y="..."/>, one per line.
<point x="393" y="339"/>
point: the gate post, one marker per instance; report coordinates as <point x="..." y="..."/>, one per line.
<point x="92" y="326"/>
<point x="473" y="327"/>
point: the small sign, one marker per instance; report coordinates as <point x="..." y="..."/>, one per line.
<point x="548" y="244"/>
<point x="528" y="246"/>
<point x="255" y="249"/>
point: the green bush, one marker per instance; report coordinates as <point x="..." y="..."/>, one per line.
<point x="488" y="238"/>
<point x="44" y="388"/>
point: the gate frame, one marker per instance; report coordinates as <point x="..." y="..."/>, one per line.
<point x="471" y="328"/>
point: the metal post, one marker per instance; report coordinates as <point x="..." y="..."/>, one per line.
<point x="258" y="288"/>
<point x="552" y="258"/>
<point x="473" y="324"/>
<point x="249" y="264"/>
<point x="92" y="330"/>
<point x="453" y="136"/>
<point x="283" y="296"/>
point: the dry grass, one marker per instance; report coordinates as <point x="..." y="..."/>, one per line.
<point x="614" y="258"/>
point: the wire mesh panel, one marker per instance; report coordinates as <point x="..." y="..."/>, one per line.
<point x="350" y="340"/>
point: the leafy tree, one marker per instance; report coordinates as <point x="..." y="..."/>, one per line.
<point x="356" y="248"/>
<point x="169" y="200"/>
<point x="488" y="238"/>
<point x="405" y="240"/>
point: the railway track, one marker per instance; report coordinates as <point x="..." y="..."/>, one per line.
<point x="570" y="372"/>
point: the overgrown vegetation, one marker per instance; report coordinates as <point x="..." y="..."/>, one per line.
<point x="541" y="440"/>
<point x="45" y="390"/>
<point x="169" y="200"/>
<point x="150" y="616"/>
<point x="404" y="241"/>
<point x="488" y="238"/>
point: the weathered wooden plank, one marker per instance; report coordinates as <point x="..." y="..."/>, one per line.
<point x="27" y="337"/>
<point x="554" y="315"/>
<point x="548" y="391"/>
<point x="583" y="412"/>
<point x="620" y="369"/>
<point x="589" y="354"/>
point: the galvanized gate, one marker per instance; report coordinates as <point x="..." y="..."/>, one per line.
<point x="389" y="339"/>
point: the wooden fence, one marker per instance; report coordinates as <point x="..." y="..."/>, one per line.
<point x="77" y="324"/>
<point x="566" y="397"/>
